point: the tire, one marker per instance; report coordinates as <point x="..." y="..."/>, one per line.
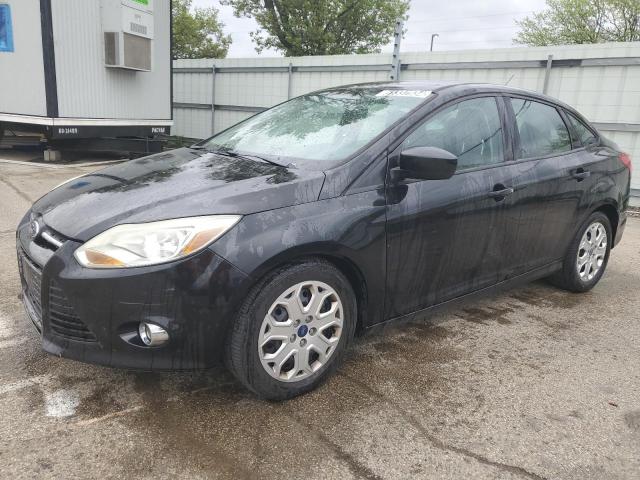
<point x="292" y="364"/>
<point x="577" y="278"/>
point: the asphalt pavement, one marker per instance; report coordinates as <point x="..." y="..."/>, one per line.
<point x="533" y="383"/>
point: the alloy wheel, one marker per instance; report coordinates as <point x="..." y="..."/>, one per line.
<point x="592" y="251"/>
<point x="300" y="331"/>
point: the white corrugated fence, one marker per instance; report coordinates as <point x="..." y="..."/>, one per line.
<point x="602" y="81"/>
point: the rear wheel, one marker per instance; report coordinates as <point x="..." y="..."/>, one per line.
<point x="588" y="255"/>
<point x="292" y="331"/>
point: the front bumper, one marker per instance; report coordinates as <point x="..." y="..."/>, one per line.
<point x="93" y="315"/>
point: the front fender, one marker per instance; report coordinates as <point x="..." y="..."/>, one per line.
<point x="348" y="228"/>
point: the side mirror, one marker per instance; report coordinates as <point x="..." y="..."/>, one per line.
<point x="428" y="163"/>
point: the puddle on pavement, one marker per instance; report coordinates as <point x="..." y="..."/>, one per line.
<point x="541" y="294"/>
<point x="487" y="314"/>
<point x="556" y="326"/>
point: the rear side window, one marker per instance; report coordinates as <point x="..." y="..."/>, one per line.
<point x="584" y="135"/>
<point x="542" y="130"/>
<point x="471" y="130"/>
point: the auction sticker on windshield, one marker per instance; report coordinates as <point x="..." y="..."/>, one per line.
<point x="404" y="93"/>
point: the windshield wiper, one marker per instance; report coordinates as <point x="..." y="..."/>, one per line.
<point x="231" y="153"/>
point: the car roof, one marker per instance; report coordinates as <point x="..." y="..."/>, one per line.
<point x="457" y="88"/>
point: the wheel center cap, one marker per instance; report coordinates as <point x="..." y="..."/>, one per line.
<point x="303" y="330"/>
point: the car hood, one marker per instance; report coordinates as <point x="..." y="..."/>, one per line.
<point x="180" y="183"/>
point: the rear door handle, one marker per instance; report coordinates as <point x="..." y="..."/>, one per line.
<point x="499" y="194"/>
<point x="580" y="174"/>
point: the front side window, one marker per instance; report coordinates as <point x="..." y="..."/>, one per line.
<point x="471" y="130"/>
<point x="542" y="131"/>
<point x="328" y="125"/>
<point x="584" y="135"/>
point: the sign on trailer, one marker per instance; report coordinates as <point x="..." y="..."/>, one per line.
<point x="6" y="30"/>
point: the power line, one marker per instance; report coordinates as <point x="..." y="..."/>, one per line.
<point x="425" y="30"/>
<point x="443" y="20"/>
<point x="455" y="30"/>
<point x="454" y="44"/>
<point x="452" y="18"/>
<point x="491" y="44"/>
<point x="409" y="22"/>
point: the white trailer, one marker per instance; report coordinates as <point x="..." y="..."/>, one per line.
<point x="83" y="70"/>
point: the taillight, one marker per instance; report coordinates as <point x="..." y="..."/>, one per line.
<point x="625" y="158"/>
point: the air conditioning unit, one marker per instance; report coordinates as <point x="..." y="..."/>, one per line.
<point x="123" y="50"/>
<point x="128" y="34"/>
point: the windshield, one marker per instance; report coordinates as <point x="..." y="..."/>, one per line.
<point x="328" y="125"/>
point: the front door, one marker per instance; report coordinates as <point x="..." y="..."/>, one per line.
<point x="443" y="235"/>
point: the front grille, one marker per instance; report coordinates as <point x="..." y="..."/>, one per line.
<point x="31" y="276"/>
<point x="63" y="319"/>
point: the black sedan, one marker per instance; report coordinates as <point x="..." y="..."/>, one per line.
<point x="271" y="244"/>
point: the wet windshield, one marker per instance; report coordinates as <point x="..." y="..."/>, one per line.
<point x="328" y="125"/>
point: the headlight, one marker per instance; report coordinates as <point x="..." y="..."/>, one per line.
<point x="137" y="245"/>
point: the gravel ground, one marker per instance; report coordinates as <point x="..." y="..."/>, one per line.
<point x="534" y="383"/>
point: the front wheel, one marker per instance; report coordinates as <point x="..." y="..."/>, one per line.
<point x="293" y="330"/>
<point x="588" y="255"/>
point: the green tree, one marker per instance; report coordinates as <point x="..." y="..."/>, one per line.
<point x="321" y="27"/>
<point x="581" y="21"/>
<point x="197" y="33"/>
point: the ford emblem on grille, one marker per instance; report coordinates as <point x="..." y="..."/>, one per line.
<point x="34" y="228"/>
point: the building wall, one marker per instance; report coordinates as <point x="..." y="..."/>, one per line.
<point x="608" y="95"/>
<point x="88" y="89"/>
<point x="21" y="71"/>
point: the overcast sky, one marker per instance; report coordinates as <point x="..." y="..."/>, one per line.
<point x="461" y="24"/>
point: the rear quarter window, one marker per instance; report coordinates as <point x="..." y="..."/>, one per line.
<point x="584" y="136"/>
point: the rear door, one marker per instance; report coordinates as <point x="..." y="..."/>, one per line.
<point x="443" y="236"/>
<point x="590" y="171"/>
<point x="548" y="180"/>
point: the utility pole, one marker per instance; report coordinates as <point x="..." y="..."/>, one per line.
<point x="395" y="60"/>
<point x="433" y="36"/>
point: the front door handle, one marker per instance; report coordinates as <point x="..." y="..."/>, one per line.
<point x="500" y="194"/>
<point x="580" y="174"/>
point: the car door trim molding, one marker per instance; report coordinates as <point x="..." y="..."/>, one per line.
<point x="573" y="134"/>
<point x="617" y="127"/>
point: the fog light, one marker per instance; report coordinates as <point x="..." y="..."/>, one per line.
<point x="152" y="335"/>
